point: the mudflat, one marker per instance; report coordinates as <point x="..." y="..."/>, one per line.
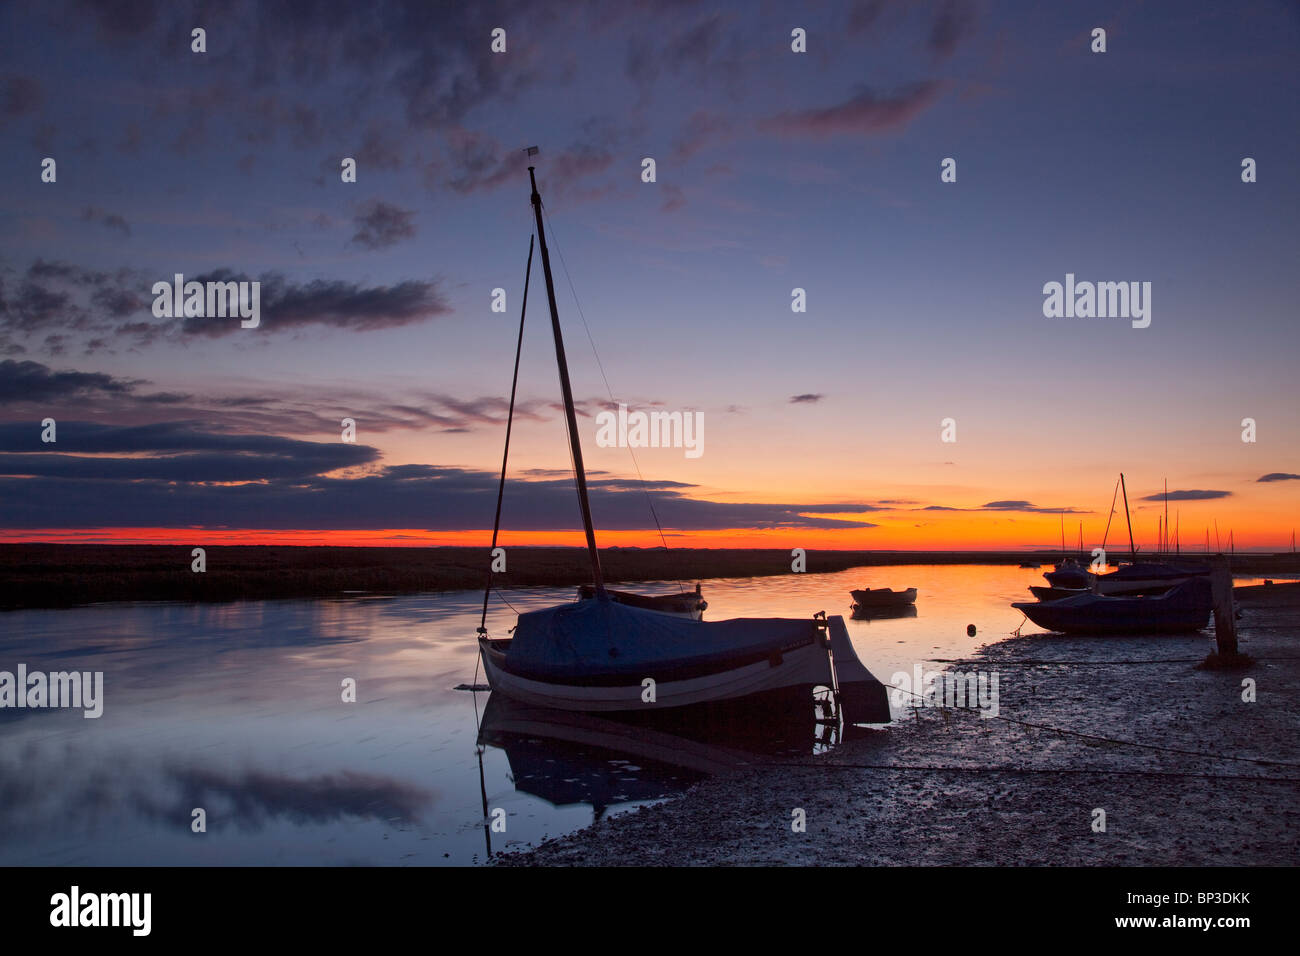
<point x="1179" y="765"/>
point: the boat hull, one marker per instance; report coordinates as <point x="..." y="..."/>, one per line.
<point x="883" y="597"/>
<point x="1055" y="594"/>
<point x="1068" y="578"/>
<point x="1183" y="609"/>
<point x="807" y="666"/>
<point x="690" y="605"/>
<point x="1148" y="579"/>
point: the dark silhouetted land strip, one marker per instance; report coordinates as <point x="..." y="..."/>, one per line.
<point x="62" y="575"/>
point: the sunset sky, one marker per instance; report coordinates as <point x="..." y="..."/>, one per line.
<point x="775" y="170"/>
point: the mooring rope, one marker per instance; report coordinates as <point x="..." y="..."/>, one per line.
<point x="1119" y="742"/>
<point x="933" y="768"/>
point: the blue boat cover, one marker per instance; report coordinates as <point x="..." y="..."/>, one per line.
<point x="600" y="638"/>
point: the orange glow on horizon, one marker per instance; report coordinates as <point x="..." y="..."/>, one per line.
<point x="943" y="531"/>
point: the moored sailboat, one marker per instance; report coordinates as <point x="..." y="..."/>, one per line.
<point x="600" y="654"/>
<point x="1181" y="609"/>
<point x="1131" y="579"/>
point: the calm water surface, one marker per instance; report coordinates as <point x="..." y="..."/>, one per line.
<point x="237" y="709"/>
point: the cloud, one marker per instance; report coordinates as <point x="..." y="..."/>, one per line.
<point x="1025" y="506"/>
<point x="674" y="198"/>
<point x="408" y="88"/>
<point x="380" y="225"/>
<point x="32" y="390"/>
<point x="254" y="799"/>
<point x="1279" y="476"/>
<point x="702" y="129"/>
<point x="1016" y="505"/>
<point x="175" y="475"/>
<point x="106" y="219"/>
<point x="864" y="113"/>
<point x="808" y="398"/>
<point x="120" y="21"/>
<point x="954" y="22"/>
<point x="381" y="148"/>
<point x="1192" y="495"/>
<point x="33" y="382"/>
<point x="480" y="163"/>
<point x="863" y="14"/>
<point x="168" y="452"/>
<point x="705" y="49"/>
<point x="35" y="307"/>
<point x="59" y="298"/>
<point x="19" y="95"/>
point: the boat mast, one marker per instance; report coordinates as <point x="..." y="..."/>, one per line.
<point x="1123" y="487"/>
<point x="1166" y="515"/>
<point x="575" y="446"/>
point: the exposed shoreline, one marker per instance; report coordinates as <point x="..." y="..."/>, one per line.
<point x="961" y="789"/>
<point x="65" y="575"/>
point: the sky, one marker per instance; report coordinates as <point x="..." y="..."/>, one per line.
<point x="774" y="170"/>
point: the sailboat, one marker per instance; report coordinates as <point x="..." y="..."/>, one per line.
<point x="601" y="655"/>
<point x="1139" y="597"/>
<point x="1186" y="607"/>
<point x="1131" y="579"/>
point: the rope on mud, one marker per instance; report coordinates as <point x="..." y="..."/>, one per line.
<point x="1133" y="743"/>
<point x="1125" y="743"/>
<point x="1034" y="663"/>
<point x="1154" y="660"/>
<point x="1043" y="770"/>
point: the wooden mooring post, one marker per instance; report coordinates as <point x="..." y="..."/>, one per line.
<point x="1225" y="620"/>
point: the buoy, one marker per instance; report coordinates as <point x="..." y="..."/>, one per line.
<point x="970" y="630"/>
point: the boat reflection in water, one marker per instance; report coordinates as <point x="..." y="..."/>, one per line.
<point x="568" y="757"/>
<point x="882" y="613"/>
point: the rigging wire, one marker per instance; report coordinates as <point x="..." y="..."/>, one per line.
<point x="505" y="456"/>
<point x="609" y="391"/>
<point x="1114" y="495"/>
<point x="510" y="420"/>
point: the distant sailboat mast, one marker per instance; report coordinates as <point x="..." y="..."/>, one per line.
<point x="575" y="446"/>
<point x="1132" y="550"/>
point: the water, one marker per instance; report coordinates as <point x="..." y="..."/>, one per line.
<point x="237" y="709"/>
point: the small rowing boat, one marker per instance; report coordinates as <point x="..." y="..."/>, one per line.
<point x="883" y="597"/>
<point x="687" y="604"/>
